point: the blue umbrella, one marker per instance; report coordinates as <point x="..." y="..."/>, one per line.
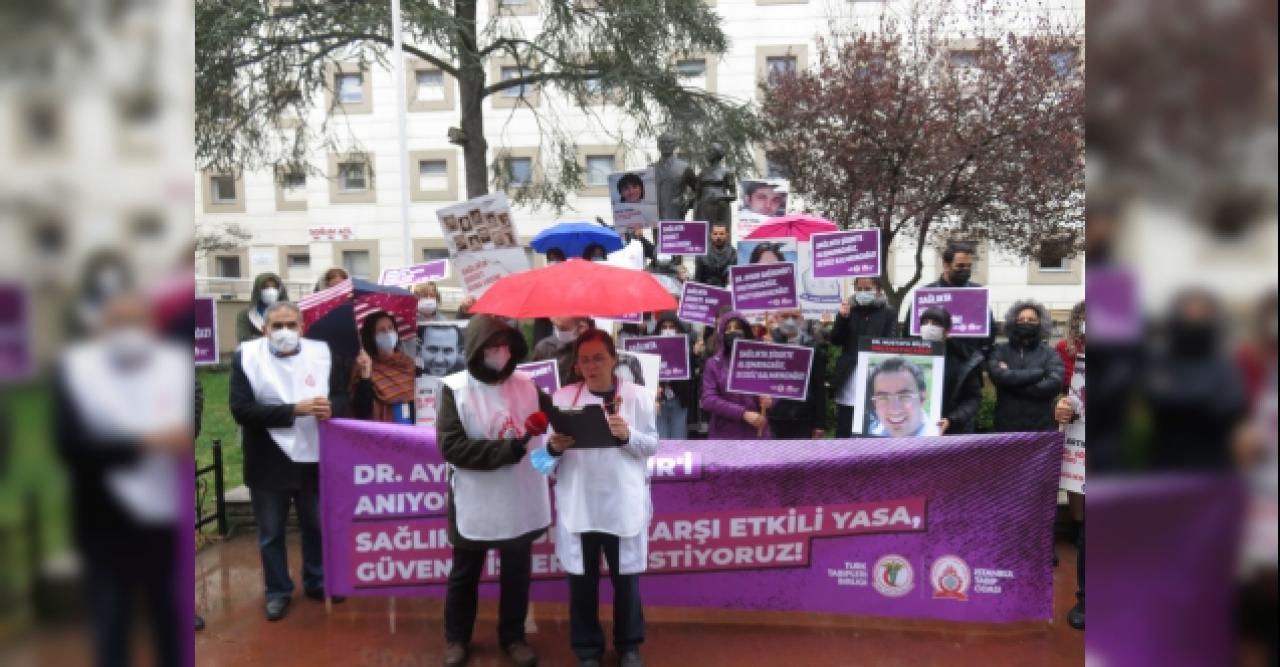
<point x="573" y="237"/>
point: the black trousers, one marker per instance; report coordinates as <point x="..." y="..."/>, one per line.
<point x="464" y="588"/>
<point x="121" y="570"/>
<point x="584" y="601"/>
<point x="790" y="429"/>
<point x="844" y="421"/>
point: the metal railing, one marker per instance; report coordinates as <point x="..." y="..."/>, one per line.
<point x="219" y="493"/>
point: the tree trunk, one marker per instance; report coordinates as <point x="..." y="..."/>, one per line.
<point x="471" y="81"/>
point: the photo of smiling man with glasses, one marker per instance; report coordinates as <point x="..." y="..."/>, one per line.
<point x="898" y="397"/>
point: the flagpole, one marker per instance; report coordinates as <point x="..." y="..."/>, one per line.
<point x="399" y="84"/>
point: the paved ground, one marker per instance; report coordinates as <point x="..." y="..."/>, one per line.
<point x="357" y="633"/>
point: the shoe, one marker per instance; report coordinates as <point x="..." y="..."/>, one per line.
<point x="455" y="654"/>
<point x="589" y="662"/>
<point x="521" y="654"/>
<point x="276" y="608"/>
<point x="1075" y="617"/>
<point x="199" y="623"/>
<point x="318" y="596"/>
<point x="631" y="659"/>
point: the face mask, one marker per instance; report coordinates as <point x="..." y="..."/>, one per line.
<point x="496" y="358"/>
<point x="426" y="306"/>
<point x="1082" y="328"/>
<point x="269" y="295"/>
<point x="110" y="281"/>
<point x="864" y="298"/>
<point x="669" y="332"/>
<point x="960" y="277"/>
<point x="284" y="341"/>
<point x="789" y="326"/>
<point x="730" y="339"/>
<point x="1026" y="332"/>
<point x="1192" y="339"/>
<point x="567" y="336"/>
<point x="932" y="332"/>
<point x="386" y="341"/>
<point x="128" y="344"/>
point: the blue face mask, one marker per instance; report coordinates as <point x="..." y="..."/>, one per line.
<point x="543" y="461"/>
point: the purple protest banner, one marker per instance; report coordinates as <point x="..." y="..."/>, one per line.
<point x="770" y="369"/>
<point x="15" y="334"/>
<point x="969" y="308"/>
<point x="418" y="273"/>
<point x="677" y="237"/>
<point x="1114" y="316"/>
<point x="764" y="286"/>
<point x="545" y="374"/>
<point x="701" y="303"/>
<point x="672" y="351"/>
<point x="903" y="529"/>
<point x="851" y="254"/>
<point x="206" y="331"/>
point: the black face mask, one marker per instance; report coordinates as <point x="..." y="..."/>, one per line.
<point x="730" y="339"/>
<point x="1192" y="339"/>
<point x="960" y="276"/>
<point x="1025" y="334"/>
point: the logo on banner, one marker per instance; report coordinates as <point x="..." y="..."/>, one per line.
<point x="950" y="577"/>
<point x="893" y="576"/>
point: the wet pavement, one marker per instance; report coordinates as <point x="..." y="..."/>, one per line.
<point x="358" y="632"/>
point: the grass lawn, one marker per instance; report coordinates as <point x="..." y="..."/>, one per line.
<point x="217" y="424"/>
<point x="33" y="489"/>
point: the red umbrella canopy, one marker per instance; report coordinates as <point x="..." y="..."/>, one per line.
<point x="798" y="226"/>
<point x="575" y="287"/>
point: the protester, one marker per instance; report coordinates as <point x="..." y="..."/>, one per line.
<point x="487" y="418"/>
<point x="267" y="289"/>
<point x="382" y="382"/>
<point x="630" y="234"/>
<point x="675" y="396"/>
<point x="1195" y="394"/>
<point x="897" y="392"/>
<point x="713" y="267"/>
<point x="121" y="408"/>
<point x="428" y="303"/>
<point x="603" y="504"/>
<point x="281" y="385"/>
<point x="1066" y="411"/>
<point x="868" y="316"/>
<point x="559" y="345"/>
<point x="1026" y="372"/>
<point x="106" y="275"/>
<point x="1072" y="345"/>
<point x="800" y="420"/>
<point x="554" y="256"/>
<point x="958" y="260"/>
<point x="962" y="375"/>
<point x="331" y="277"/>
<point x="733" y="416"/>
<point x="594" y="252"/>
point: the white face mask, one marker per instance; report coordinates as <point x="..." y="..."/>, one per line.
<point x="128" y="344"/>
<point x="426" y="306"/>
<point x="497" y="358"/>
<point x="386" y="341"/>
<point x="669" y="332"/>
<point x="269" y="295"/>
<point x="932" y="332"/>
<point x="864" y="298"/>
<point x="567" y="336"/>
<point x="284" y="341"/>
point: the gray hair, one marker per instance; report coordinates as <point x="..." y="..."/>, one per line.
<point x="281" y="305"/>
<point x="1046" y="320"/>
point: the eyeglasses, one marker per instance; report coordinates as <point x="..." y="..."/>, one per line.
<point x="598" y="359"/>
<point x="900" y="398"/>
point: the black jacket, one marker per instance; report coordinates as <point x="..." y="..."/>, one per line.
<point x="962" y="388"/>
<point x="713" y="267"/>
<point x="265" y="465"/>
<point x="877" y="321"/>
<point x="1027" y="389"/>
<point x="813" y="409"/>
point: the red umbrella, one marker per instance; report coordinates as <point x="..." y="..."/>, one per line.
<point x="798" y="226"/>
<point x="575" y="287"/>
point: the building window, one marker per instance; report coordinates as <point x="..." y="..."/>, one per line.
<point x="43" y="125"/>
<point x="352" y="177"/>
<point x="433" y="175"/>
<point x="298" y="262"/>
<point x="692" y="73"/>
<point x="356" y="262"/>
<point x="223" y="189"/>
<point x="227" y="266"/>
<point x="295" y="186"/>
<point x="519" y="170"/>
<point x="598" y="169"/>
<point x="432" y="254"/>
<point x="777" y="67"/>
<point x="430" y="85"/>
<point x="962" y="59"/>
<point x="509" y="73"/>
<point x="1064" y="63"/>
<point x="593" y="84"/>
<point x="350" y="86"/>
<point x="147" y="225"/>
<point x="1055" y="255"/>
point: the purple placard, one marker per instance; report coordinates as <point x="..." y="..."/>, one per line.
<point x="418" y="273"/>
<point x="700" y="303"/>
<point x="764" y="286"/>
<point x="969" y="308"/>
<point x="677" y="237"/>
<point x="851" y="254"/>
<point x="545" y="374"/>
<point x="770" y="369"/>
<point x="882" y="531"/>
<point x="1112" y="294"/>
<point x="206" y="331"/>
<point x="15" y="334"/>
<point x="672" y="351"/>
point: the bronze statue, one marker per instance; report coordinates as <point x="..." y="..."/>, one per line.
<point x="675" y="177"/>
<point x="717" y="189"/>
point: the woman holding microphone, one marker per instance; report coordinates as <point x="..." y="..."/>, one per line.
<point x="602" y="501"/>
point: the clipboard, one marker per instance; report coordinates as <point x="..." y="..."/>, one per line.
<point x="587" y="425"/>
